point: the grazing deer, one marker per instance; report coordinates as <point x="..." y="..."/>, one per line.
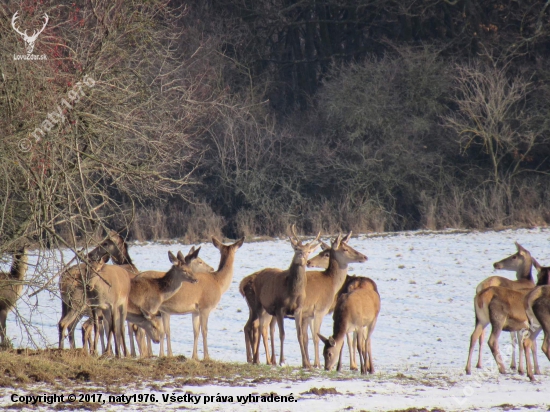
<point x="202" y="297"/>
<point x="356" y="311"/>
<point x="503" y="307"/>
<point x="322" y="260"/>
<point x="196" y="265"/>
<point x="352" y="282"/>
<point x="520" y="262"/>
<point x="150" y="293"/>
<point x="11" y="287"/>
<point x="537" y="308"/>
<point x="321" y="289"/>
<point x="281" y="293"/>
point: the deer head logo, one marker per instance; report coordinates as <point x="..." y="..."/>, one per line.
<point x="29" y="39"/>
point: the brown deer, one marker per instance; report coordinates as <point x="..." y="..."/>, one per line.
<point x="520" y="262"/>
<point x="503" y="307"/>
<point x="72" y="284"/>
<point x="281" y="293"/>
<point x="356" y="311"/>
<point x="195" y="265"/>
<point x="202" y="297"/>
<point x="352" y="282"/>
<point x="322" y="260"/>
<point x="11" y="287"/>
<point x="537" y="308"/>
<point x="107" y="293"/>
<point x="321" y="289"/>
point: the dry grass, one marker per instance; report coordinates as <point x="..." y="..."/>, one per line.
<point x="73" y="367"/>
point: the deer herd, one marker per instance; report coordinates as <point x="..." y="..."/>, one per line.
<point x="111" y="295"/>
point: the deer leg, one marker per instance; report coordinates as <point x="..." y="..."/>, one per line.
<point x="96" y="330"/>
<point x="204" y="328"/>
<point x="513" y="336"/>
<point x="3" y="319"/>
<point x="493" y="344"/>
<point x="131" y="336"/>
<point x="161" y="348"/>
<point x="304" y="325"/>
<point x="107" y="325"/>
<point x="546" y="345"/>
<point x="352" y="343"/>
<point x="301" y="334"/>
<point x="265" y="339"/>
<point x="114" y="330"/>
<point x="123" y="312"/>
<point x="519" y="339"/>
<point x="61" y="326"/>
<point x="360" y="349"/>
<point x="196" y="330"/>
<point x="339" y="366"/>
<point x="527" y="345"/>
<point x="166" y="324"/>
<point x="140" y="341"/>
<point x="317" y="321"/>
<point x="149" y="347"/>
<point x="248" y="335"/>
<point x="272" y="323"/>
<point x="280" y="323"/>
<point x="101" y="323"/>
<point x="256" y="336"/>
<point x="480" y="354"/>
<point x="475" y="336"/>
<point x="70" y="333"/>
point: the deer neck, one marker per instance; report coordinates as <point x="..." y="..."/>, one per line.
<point x="170" y="283"/>
<point x="340" y="327"/>
<point x="19" y="266"/>
<point x="524" y="271"/>
<point x="224" y="274"/>
<point x="297" y="278"/>
<point x="336" y="271"/>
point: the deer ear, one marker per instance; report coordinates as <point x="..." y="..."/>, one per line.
<point x="191" y="250"/>
<point x="172" y="258"/>
<point x="323" y="339"/>
<point x="324" y="246"/>
<point x="520" y="248"/>
<point x="180" y="256"/>
<point x="216" y="243"/>
<point x="331" y="341"/>
<point x="238" y="243"/>
<point x="191" y="255"/>
<point x="536" y="264"/>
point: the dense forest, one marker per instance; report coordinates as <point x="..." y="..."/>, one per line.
<point x="190" y="118"/>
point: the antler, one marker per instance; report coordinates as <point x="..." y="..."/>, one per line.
<point x="15" y="16"/>
<point x="35" y="33"/>
<point x="293" y="233"/>
<point x="314" y="240"/>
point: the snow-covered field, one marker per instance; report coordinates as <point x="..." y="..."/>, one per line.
<point x="426" y="283"/>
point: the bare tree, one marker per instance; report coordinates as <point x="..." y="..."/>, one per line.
<point x="493" y="118"/>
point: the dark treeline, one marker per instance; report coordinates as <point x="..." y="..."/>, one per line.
<point x="337" y="114"/>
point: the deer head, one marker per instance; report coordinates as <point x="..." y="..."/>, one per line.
<point x="29" y="39"/>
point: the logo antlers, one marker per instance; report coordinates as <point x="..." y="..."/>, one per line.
<point x="29" y="40"/>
